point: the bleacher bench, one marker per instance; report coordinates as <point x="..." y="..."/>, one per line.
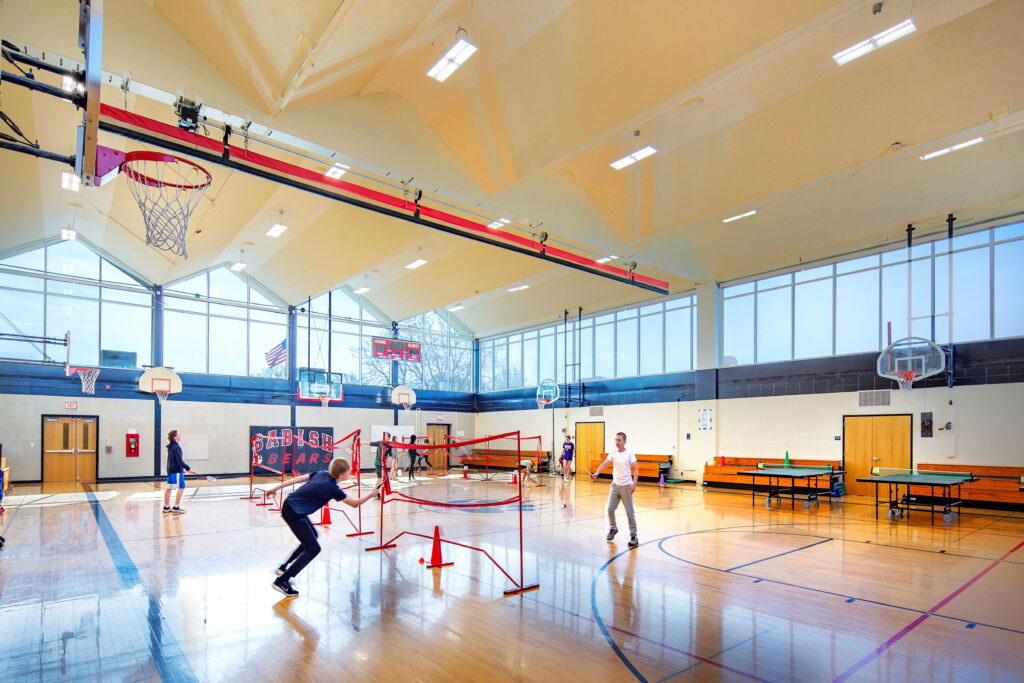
<point x="648" y="465"/>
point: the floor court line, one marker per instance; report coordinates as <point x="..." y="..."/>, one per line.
<point x="867" y="659"/>
<point x="788" y="552"/>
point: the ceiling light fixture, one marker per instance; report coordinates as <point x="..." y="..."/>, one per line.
<point x="336" y="171"/>
<point x="500" y="223"/>
<point x="606" y="259"/>
<point x="453" y="59"/>
<point x="69" y="181"/>
<point x="68" y="234"/>
<point x="874" y="42"/>
<point x="954" y="148"/>
<point x="69" y="84"/>
<point x="730" y="219"/>
<point x="239" y="266"/>
<point x="415" y="264"/>
<point x="456" y="309"/>
<point x="519" y="288"/>
<point x="276" y="230"/>
<point x="362" y="290"/>
<point x="636" y="156"/>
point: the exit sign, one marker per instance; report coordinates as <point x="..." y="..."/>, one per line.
<point x="71" y="405"/>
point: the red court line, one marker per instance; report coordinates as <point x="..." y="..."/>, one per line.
<point x="917" y="622"/>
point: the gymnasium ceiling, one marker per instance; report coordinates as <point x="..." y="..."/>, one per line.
<point x="742" y="99"/>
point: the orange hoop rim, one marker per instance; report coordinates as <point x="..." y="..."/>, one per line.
<point x="140" y="177"/>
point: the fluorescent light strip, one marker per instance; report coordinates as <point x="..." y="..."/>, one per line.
<point x="69" y="181"/>
<point x="636" y="156"/>
<point x="415" y="264"/>
<point x="456" y="309"/>
<point x="276" y="230"/>
<point x="452" y="60"/>
<point x="519" y="288"/>
<point x="874" y="42"/>
<point x="239" y="267"/>
<point x="336" y="171"/>
<point x="362" y="290"/>
<point x="954" y="148"/>
<point x="730" y="219"/>
<point x="606" y="259"/>
<point x="500" y="223"/>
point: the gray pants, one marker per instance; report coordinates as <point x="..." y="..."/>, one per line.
<point x="615" y="494"/>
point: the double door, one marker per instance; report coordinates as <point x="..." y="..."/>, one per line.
<point x="438" y="434"/>
<point x="69" y="448"/>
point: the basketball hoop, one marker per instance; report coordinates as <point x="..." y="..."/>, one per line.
<point x="905" y="378"/>
<point x="88" y="377"/>
<point x="167" y="189"/>
<point x="162" y="395"/>
<point x="543" y="402"/>
<point x="324" y="400"/>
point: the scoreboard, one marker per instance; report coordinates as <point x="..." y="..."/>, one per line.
<point x="396" y="349"/>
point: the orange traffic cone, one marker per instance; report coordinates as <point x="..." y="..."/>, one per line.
<point x="515" y="480"/>
<point x="465" y="472"/>
<point x="325" y="516"/>
<point x="435" y="553"/>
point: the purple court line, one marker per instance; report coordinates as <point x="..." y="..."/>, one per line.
<point x="917" y="622"/>
<point x="660" y="644"/>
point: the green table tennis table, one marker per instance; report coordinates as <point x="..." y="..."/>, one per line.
<point x="896" y="478"/>
<point x="776" y="475"/>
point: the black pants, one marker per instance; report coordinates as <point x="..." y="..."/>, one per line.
<point x="306" y="533"/>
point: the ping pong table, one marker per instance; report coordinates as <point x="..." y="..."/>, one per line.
<point x="776" y="476"/>
<point x="895" y="478"/>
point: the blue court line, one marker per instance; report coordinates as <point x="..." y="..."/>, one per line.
<point x="167" y="655"/>
<point x="717" y="654"/>
<point x="765" y="559"/>
<point x="848" y="598"/>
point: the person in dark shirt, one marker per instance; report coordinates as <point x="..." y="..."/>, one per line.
<point x="567" y="452"/>
<point x="383" y="453"/>
<point x="317" y="490"/>
<point x="176" y="469"/>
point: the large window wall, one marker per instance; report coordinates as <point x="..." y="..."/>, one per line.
<point x="66" y="287"/>
<point x="336" y="332"/>
<point x="858" y="305"/>
<point x="647" y="340"/>
<point x="220" y="322"/>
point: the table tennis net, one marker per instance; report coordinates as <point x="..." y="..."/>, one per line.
<point x="890" y="471"/>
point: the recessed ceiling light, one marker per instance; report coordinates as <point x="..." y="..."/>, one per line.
<point x="69" y="181"/>
<point x="336" y="171"/>
<point x="276" y="230"/>
<point x="954" y="148"/>
<point x="452" y="60"/>
<point x="415" y="264"/>
<point x="68" y="234"/>
<point x="633" y="158"/>
<point x="519" y="288"/>
<point x="874" y="42"/>
<point x="362" y="290"/>
<point x="239" y="266"/>
<point x="730" y="219"/>
<point x="500" y="223"/>
<point x="69" y="84"/>
<point x="606" y="259"/>
<point x="456" y="309"/>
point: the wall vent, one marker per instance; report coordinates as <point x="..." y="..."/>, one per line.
<point x="879" y="397"/>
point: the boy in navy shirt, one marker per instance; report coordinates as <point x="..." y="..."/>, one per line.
<point x="176" y="469"/>
<point x="319" y="489"/>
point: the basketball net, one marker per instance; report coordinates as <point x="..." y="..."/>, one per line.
<point x="167" y="190"/>
<point x="905" y="378"/>
<point x="324" y="400"/>
<point x="542" y="403"/>
<point x="162" y="395"/>
<point x="88" y="377"/>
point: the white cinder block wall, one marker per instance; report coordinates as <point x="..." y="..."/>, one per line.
<point x="807" y="426"/>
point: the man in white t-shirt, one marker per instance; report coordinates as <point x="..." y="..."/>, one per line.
<point x="624" y="477"/>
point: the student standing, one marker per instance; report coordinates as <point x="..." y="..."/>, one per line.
<point x="318" y="489"/>
<point x="176" y="469"/>
<point x="625" y="474"/>
<point x="567" y="452"/>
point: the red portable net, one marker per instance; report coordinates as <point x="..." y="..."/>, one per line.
<point x="458" y="491"/>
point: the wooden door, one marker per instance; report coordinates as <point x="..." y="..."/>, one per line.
<point x="69" y="449"/>
<point x="589" y="444"/>
<point x="874" y="441"/>
<point x="438" y="433"/>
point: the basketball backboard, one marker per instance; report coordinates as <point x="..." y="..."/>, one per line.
<point x="158" y="379"/>
<point x="404" y="396"/>
<point x="315" y="383"/>
<point x="909" y="360"/>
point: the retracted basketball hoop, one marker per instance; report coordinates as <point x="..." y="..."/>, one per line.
<point x="167" y="189"/>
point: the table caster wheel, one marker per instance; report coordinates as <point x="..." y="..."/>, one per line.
<point x="815" y="505"/>
<point x="807" y="505"/>
<point x="892" y="514"/>
<point x="768" y="503"/>
<point x="949" y="516"/>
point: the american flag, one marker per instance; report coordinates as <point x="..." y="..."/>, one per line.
<point x="278" y="354"/>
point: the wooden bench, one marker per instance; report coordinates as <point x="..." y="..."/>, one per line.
<point x="648" y="465"/>
<point x="503" y="459"/>
<point x="996" y="484"/>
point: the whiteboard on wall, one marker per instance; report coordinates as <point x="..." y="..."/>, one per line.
<point x="195" y="447"/>
<point x="377" y="431"/>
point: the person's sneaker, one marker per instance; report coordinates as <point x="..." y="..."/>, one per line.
<point x="178" y="511"/>
<point x="633" y="542"/>
<point x="167" y="508"/>
<point x="280" y="570"/>
<point x="285" y="587"/>
<point x="611" y="533"/>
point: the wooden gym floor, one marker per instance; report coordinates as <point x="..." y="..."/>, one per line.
<point x="97" y="584"/>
